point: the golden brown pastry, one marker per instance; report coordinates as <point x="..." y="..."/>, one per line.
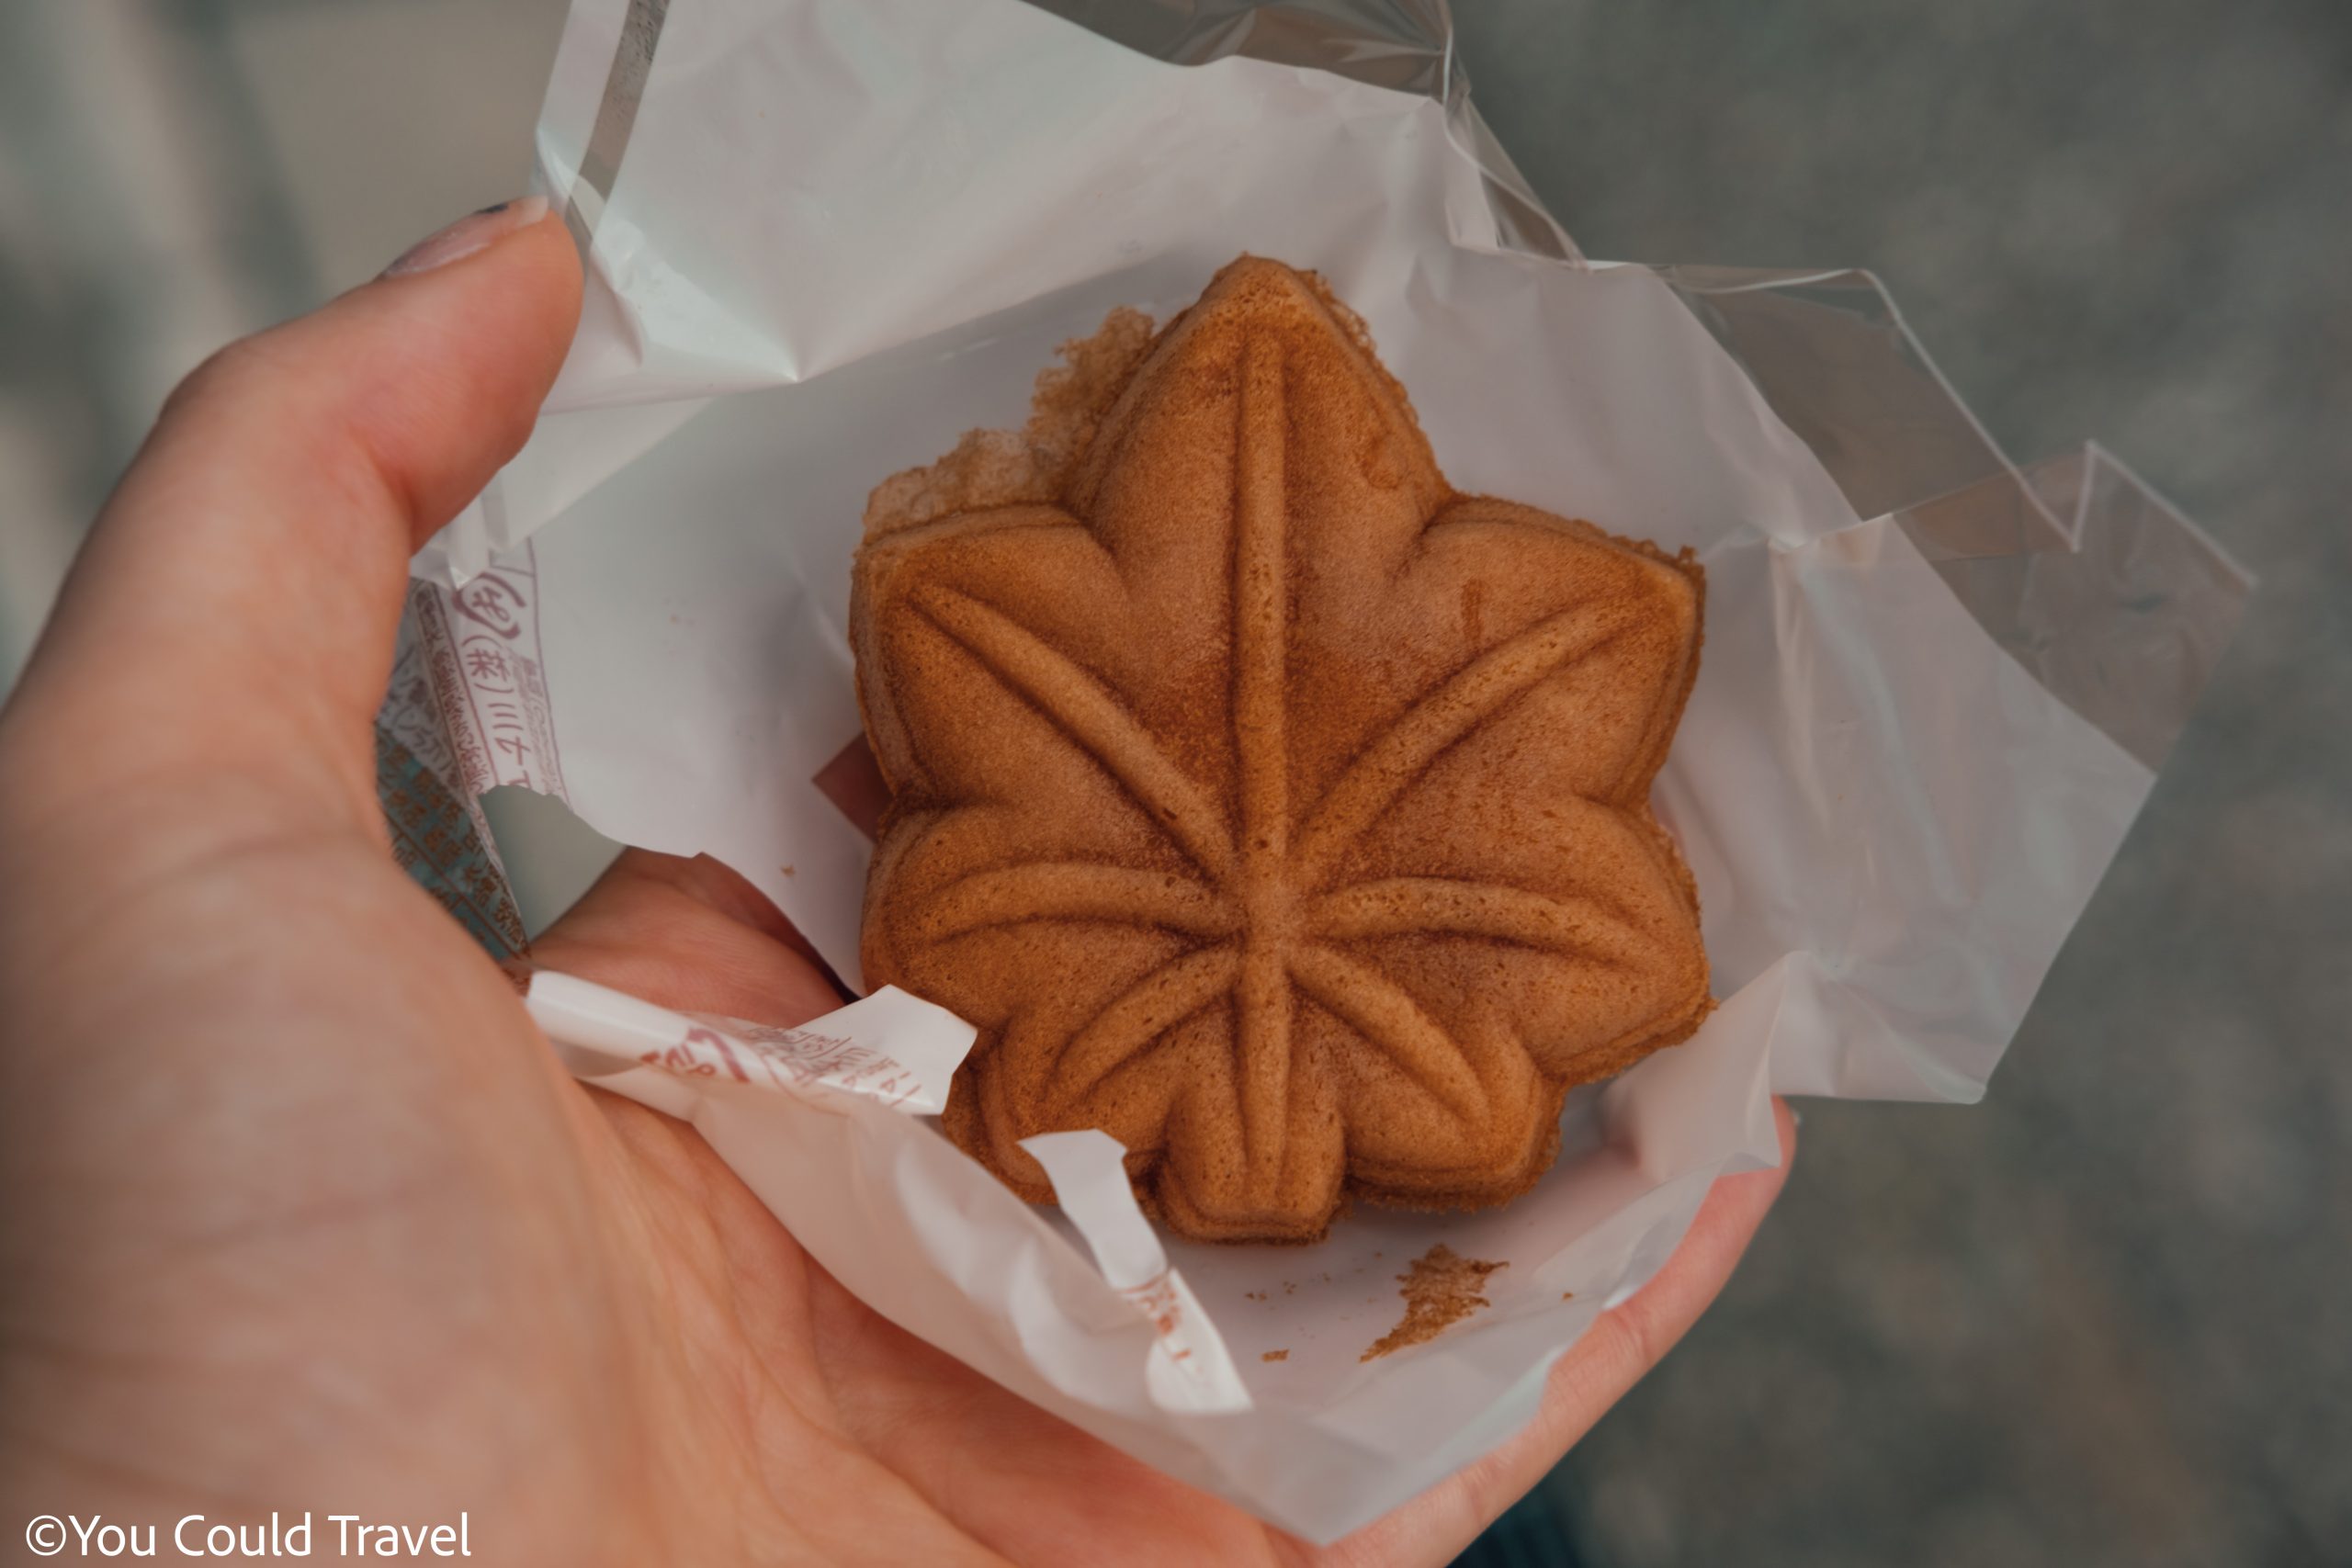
<point x="1263" y="802"/>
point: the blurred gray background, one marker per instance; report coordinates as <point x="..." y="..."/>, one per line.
<point x="2105" y="1319"/>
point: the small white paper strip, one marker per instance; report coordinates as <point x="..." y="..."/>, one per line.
<point x="891" y="1048"/>
<point x="1193" y="1369"/>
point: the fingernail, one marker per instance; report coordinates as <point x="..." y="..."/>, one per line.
<point x="475" y="231"/>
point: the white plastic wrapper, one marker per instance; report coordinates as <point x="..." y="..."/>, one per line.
<point x="826" y="237"/>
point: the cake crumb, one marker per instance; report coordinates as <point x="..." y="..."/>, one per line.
<point x="1567" y="1295"/>
<point x="1004" y="467"/>
<point x="1440" y="1289"/>
<point x="1275" y="1356"/>
<point x="1253" y="1295"/>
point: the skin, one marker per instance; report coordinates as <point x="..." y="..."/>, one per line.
<point x="301" y="1213"/>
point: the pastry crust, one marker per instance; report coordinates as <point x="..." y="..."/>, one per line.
<point x="1262" y="801"/>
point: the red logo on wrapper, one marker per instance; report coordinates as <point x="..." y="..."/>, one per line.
<point x="482" y="662"/>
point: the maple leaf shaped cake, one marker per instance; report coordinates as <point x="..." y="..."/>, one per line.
<point x="1262" y="801"/>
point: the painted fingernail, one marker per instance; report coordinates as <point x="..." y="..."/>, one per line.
<point x="475" y="231"/>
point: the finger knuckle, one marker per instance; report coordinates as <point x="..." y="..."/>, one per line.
<point x="229" y="373"/>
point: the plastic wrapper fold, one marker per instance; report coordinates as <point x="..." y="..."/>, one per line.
<point x="826" y="237"/>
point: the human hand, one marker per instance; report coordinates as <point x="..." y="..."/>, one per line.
<point x="302" y="1212"/>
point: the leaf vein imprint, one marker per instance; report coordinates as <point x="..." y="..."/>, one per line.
<point x="1076" y="703"/>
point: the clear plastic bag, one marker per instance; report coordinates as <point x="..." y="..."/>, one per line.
<point x="826" y="237"/>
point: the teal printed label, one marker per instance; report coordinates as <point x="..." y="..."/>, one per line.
<point x="435" y="842"/>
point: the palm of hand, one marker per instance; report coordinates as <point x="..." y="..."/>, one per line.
<point x="803" y="1395"/>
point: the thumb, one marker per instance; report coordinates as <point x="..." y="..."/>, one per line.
<point x="236" y="605"/>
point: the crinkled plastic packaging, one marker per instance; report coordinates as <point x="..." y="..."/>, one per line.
<point x="827" y="237"/>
